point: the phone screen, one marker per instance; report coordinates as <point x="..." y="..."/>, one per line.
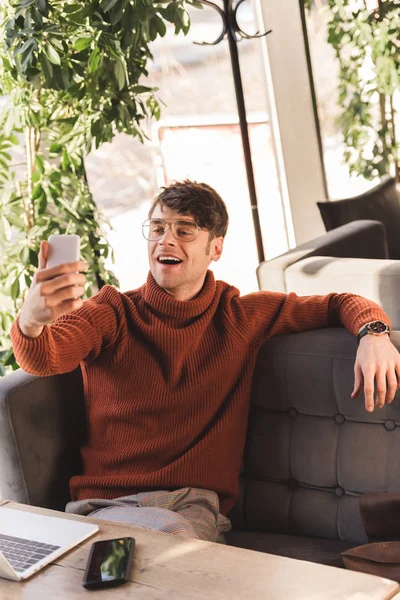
<point x="109" y="562"/>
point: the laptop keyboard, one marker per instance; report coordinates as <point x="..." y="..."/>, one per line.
<point x="21" y="553"/>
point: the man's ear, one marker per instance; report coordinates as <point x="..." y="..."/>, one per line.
<point x="218" y="245"/>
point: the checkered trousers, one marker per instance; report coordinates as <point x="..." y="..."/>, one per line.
<point x="192" y="512"/>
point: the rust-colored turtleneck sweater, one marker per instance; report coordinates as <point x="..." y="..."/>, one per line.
<point x="167" y="383"/>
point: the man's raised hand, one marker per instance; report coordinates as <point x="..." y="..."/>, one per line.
<point x="54" y="292"/>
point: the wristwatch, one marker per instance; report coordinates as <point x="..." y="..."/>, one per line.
<point x="374" y="328"/>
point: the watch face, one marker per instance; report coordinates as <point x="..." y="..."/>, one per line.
<point x="377" y="327"/>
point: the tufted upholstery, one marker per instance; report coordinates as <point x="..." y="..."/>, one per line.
<point x="311" y="450"/>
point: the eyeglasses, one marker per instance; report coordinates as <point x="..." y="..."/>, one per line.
<point x="182" y="230"/>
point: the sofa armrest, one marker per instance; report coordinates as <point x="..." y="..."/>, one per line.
<point x="358" y="239"/>
<point x="12" y="481"/>
<point x="41" y="428"/>
<point x="378" y="280"/>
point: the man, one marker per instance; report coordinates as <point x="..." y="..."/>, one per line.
<point x="167" y="368"/>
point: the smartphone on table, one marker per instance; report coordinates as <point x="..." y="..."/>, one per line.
<point x="63" y="249"/>
<point x="109" y="563"/>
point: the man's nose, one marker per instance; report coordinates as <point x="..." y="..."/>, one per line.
<point x="167" y="238"/>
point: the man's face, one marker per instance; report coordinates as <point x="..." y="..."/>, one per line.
<point x="183" y="279"/>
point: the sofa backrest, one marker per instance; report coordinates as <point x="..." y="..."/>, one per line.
<point x="312" y="450"/>
<point x="376" y="279"/>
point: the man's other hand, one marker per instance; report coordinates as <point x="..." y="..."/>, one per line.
<point x="377" y="362"/>
<point x="53" y="293"/>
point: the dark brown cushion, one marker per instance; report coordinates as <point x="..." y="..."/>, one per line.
<point x="380" y="513"/>
<point x="381" y="203"/>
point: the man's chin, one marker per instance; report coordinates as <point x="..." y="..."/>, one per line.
<point x="165" y="280"/>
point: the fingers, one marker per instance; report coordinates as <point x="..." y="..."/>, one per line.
<point x="63" y="281"/>
<point x="378" y="364"/>
<point x="66" y="294"/>
<point x="74" y="267"/>
<point x="69" y="306"/>
<point x="397" y="369"/>
<point x="392" y="385"/>
<point x="369" y="390"/>
<point x="44" y="248"/>
<point x="380" y="378"/>
<point x="56" y="292"/>
<point x="387" y="384"/>
<point x="358" y="380"/>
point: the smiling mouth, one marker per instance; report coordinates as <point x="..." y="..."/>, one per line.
<point x="168" y="260"/>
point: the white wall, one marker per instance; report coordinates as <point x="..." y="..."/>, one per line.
<point x="303" y="173"/>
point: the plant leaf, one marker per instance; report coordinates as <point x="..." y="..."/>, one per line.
<point x="82" y="43"/>
<point x="107" y="5"/>
<point x="120" y="74"/>
<point x="40" y="163"/>
<point x="42" y="6"/>
<point x="140" y="89"/>
<point x="52" y="54"/>
<point x="26" y="3"/>
<point x="72" y="8"/>
<point x="15" y="289"/>
<point x="25" y="46"/>
<point x="27" y="56"/>
<point x="117" y="12"/>
<point x="9" y="359"/>
<point x="46" y="66"/>
<point x="160" y="25"/>
<point x="94" y="60"/>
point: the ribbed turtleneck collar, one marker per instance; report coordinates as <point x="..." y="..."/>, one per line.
<point x="163" y="302"/>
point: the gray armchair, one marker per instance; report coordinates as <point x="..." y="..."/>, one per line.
<point x="351" y="258"/>
<point x="311" y="451"/>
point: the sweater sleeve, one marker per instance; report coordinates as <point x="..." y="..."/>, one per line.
<point x="272" y="313"/>
<point x="77" y="336"/>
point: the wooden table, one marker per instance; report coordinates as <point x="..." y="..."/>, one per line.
<point x="168" y="567"/>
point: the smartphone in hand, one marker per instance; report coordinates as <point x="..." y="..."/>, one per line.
<point x="63" y="249"/>
<point x="109" y="563"/>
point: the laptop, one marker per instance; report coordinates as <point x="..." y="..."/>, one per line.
<point x="28" y="541"/>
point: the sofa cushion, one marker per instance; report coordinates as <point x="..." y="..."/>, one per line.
<point x="326" y="552"/>
<point x="381" y="203"/>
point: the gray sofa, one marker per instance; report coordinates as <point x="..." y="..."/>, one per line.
<point x="352" y="258"/>
<point x="311" y="450"/>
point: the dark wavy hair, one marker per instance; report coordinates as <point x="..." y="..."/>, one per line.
<point x="197" y="199"/>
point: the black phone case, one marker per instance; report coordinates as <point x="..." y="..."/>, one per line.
<point x="113" y="583"/>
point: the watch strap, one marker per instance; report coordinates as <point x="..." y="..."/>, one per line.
<point x="360" y="335"/>
<point x="367" y="330"/>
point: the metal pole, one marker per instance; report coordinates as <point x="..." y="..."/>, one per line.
<point x="232" y="31"/>
<point x="244" y="129"/>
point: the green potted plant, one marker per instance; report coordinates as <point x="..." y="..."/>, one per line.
<point x="366" y="42"/>
<point x="71" y="74"/>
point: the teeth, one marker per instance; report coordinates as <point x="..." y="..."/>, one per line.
<point x="163" y="258"/>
